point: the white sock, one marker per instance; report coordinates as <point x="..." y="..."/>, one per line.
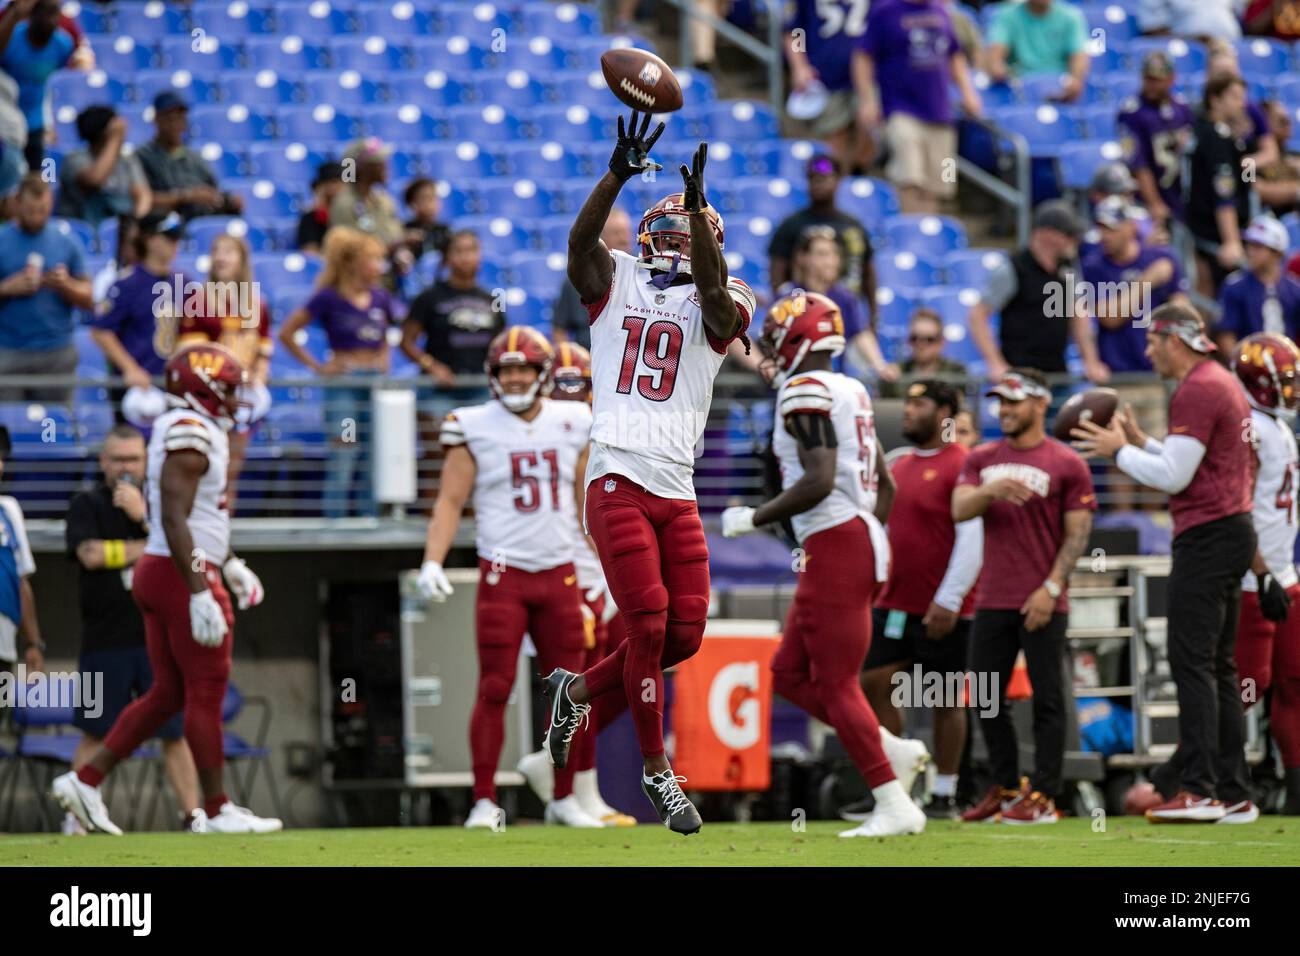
<point x="945" y="785"/>
<point x="584" y="785"/>
<point x="890" y="795"/>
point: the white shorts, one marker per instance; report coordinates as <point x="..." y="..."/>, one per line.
<point x="922" y="154"/>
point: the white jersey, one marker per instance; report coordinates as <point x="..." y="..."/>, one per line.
<point x="181" y="429"/>
<point x="1274" y="509"/>
<point x="845" y="402"/>
<point x="652" y="366"/>
<point x="524" y="510"/>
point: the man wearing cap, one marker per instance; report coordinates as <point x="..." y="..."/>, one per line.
<point x="181" y="179"/>
<point x="1206" y="467"/>
<point x="901" y="71"/>
<point x="364" y="203"/>
<point x="1261" y="297"/>
<point x="1033" y="290"/>
<point x="1155" y="127"/>
<point x="105" y="180"/>
<point x="1036" y="498"/>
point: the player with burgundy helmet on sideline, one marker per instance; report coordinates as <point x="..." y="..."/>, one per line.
<point x="835" y="495"/>
<point x="521" y="457"/>
<point x="188" y="621"/>
<point x="1268" y="633"/>
<point x="660" y="327"/>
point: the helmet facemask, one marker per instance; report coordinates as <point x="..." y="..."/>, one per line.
<point x="517" y="402"/>
<point x="667" y="240"/>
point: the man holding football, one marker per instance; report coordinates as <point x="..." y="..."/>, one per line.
<point x="187" y="617"/>
<point x="835" y="495"/>
<point x="660" y="326"/>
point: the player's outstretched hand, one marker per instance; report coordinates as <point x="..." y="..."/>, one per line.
<point x="632" y="152"/>
<point x="737" y="521"/>
<point x="693" y="181"/>
<point x="244" y="584"/>
<point x="1091" y="439"/>
<point x="207" y="620"/>
<point x="433" y="583"/>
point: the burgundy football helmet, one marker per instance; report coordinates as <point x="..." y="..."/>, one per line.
<point x="520" y="345"/>
<point x="796" y="324"/>
<point x="1267" y="364"/>
<point x="206" y="377"/>
<point x="572" y="373"/>
<point x="665" y="232"/>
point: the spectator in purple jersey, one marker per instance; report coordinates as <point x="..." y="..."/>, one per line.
<point x="1253" y="127"/>
<point x="820" y="36"/>
<point x="1127" y="279"/>
<point x="1155" y="127"/>
<point x="1261" y="297"/>
<point x="908" y="55"/>
<point x="817" y="265"/>
<point x="1114" y="179"/>
<point x="1278" y="185"/>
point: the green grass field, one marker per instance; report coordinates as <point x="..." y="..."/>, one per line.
<point x="1274" y="841"/>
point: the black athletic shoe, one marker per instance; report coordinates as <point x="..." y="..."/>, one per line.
<point x="566" y="717"/>
<point x="859" y="810"/>
<point x="677" y="813"/>
<point x="941" y="808"/>
<point x="1292" y="806"/>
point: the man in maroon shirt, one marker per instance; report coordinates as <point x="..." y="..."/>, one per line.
<point x="1206" y="466"/>
<point x="923" y="614"/>
<point x="1036" y="498"/>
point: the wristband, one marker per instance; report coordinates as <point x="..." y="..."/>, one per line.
<point x="115" y="554"/>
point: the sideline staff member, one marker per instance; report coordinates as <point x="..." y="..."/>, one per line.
<point x="1205" y="466"/>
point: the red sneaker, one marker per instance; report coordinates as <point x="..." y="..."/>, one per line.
<point x="995" y="801"/>
<point x="1185" y="807"/>
<point x="1033" y="809"/>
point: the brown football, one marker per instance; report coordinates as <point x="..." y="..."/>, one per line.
<point x="641" y="80"/>
<point x="1097" y="404"/>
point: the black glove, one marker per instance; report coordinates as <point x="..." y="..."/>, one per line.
<point x="1274" y="602"/>
<point x="693" y="179"/>
<point x="632" y="154"/>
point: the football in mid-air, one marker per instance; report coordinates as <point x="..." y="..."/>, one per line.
<point x="641" y="80"/>
<point x="1095" y="404"/>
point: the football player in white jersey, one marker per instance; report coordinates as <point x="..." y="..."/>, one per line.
<point x="1268" y="632"/>
<point x="521" y="457"/>
<point x="188" y="622"/>
<point x="661" y="323"/>
<point x="604" y="632"/>
<point x="836" y="494"/>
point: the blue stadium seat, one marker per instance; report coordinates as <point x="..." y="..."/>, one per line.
<point x="498" y="236"/>
<point x="484" y="124"/>
<point x="871" y="200"/>
<point x="212" y="56"/>
<point x="548" y="163"/>
<point x="774" y="197"/>
<point x="514" y="89"/>
<point x="1292" y="222"/>
<point x="200" y="233"/>
<point x="401" y="124"/>
<point x="995" y="95"/>
<point x="349" y="87"/>
<point x="224" y="161"/>
<point x="1115" y="88"/>
<point x="749" y="235"/>
<point x="565" y="124"/>
<point x="122" y="55"/>
<point x="369" y="55"/>
<point x="83" y="231"/>
<point x="453" y="53"/>
<point x="904" y="269"/>
<point x="1040" y="88"/>
<point x="970" y="268"/>
<point x="1099" y="120"/>
<point x="582" y="52"/>
<point x="288" y="163"/>
<point x="288" y="270"/>
<point x="228" y="19"/>
<point x="284" y="54"/>
<point x="953" y="304"/>
<point x="580" y="88"/>
<point x="933" y="236"/>
<point x="562" y="20"/>
<point x="195" y="90"/>
<point x="517" y="199"/>
<point x="788" y="157"/>
<point x="538" y="56"/>
<point x="552" y="233"/>
<point x="726" y="163"/>
<point x="1078" y="161"/>
<point x="741" y="120"/>
<point x="1188" y="57"/>
<point x="525" y="309"/>
<point x="1263" y="57"/>
<point x="263" y="197"/>
<point x="396" y="19"/>
<point x="457" y="162"/>
<point x="316" y="21"/>
<point x="750" y="270"/>
<point x="260" y="86"/>
<point x="106" y="236"/>
<point x="152" y="19"/>
<point x="316" y="124"/>
<point x="1045" y="127"/>
<point x="539" y="273"/>
<point x="895" y="307"/>
<point x="1108" y="58"/>
<point x="472" y="19"/>
<point x="697" y="86"/>
<point x="1118" y="23"/>
<point x="79" y="90"/>
<point x="429" y="89"/>
<point x="1287" y="89"/>
<point x="231" y="123"/>
<point x="93" y="17"/>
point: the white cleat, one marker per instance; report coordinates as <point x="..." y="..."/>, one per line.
<point x="540" y="775"/>
<point x="907" y="758"/>
<point x="1242" y="812"/>
<point x="83" y="802"/>
<point x="898" y="820"/>
<point x="485" y="815"/>
<point x="72" y="826"/>
<point x="569" y="813"/>
<point x="236" y="819"/>
<point x="596" y="808"/>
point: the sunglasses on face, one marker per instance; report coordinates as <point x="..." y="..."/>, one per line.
<point x="915" y="339"/>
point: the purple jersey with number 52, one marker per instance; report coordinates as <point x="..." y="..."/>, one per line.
<point x="1153" y="136"/>
<point x="831" y="29"/>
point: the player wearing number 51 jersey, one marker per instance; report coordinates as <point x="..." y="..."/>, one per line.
<point x="835" y="495"/>
<point x="521" y="457"/>
<point x="1268" y="632"/>
<point x="660" y="327"/>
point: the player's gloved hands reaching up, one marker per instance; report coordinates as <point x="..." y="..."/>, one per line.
<point x="207" y="620"/>
<point x="693" y="181"/>
<point x="632" y="153"/>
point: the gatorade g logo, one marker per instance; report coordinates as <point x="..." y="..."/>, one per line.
<point x="734" y="711"/>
